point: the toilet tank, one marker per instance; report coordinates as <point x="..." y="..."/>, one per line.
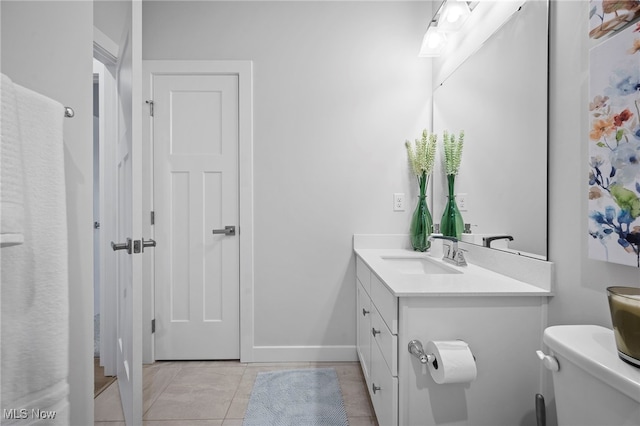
<point x="593" y="386"/>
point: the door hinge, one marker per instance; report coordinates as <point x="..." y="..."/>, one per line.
<point x="153" y="325"/>
<point x="153" y="218"/>
<point x="150" y="107"/>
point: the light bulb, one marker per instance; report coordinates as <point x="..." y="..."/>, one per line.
<point x="453" y="15"/>
<point x="434" y="40"/>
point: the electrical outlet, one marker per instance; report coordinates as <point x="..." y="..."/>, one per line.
<point x="462" y="202"/>
<point x="398" y="202"/>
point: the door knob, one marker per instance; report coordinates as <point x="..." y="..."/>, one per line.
<point x="122" y="246"/>
<point x="148" y="243"/>
<point x="228" y="230"/>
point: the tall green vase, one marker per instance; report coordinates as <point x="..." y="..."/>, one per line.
<point x="451" y="224"/>
<point x="421" y="221"/>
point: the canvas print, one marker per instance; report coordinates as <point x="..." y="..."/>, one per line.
<point x="607" y="16"/>
<point x="614" y="149"/>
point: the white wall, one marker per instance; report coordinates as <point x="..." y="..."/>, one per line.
<point x="109" y="17"/>
<point x="338" y="88"/>
<point x="580" y="282"/>
<point x="47" y="47"/>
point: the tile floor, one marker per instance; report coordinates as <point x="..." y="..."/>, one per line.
<point x="208" y="393"/>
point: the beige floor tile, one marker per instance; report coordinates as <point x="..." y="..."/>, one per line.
<point x="238" y="407"/>
<point x="362" y="421"/>
<point x="197" y="393"/>
<point x="216" y="393"/>
<point x="281" y="365"/>
<point x="200" y="364"/>
<point x="356" y="399"/>
<point x="196" y="364"/>
<point x="246" y="385"/>
<point x="182" y="423"/>
<point x="349" y="373"/>
<point x="107" y="406"/>
<point x="156" y="380"/>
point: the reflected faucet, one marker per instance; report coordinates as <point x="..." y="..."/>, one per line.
<point x="453" y="254"/>
<point x="487" y="240"/>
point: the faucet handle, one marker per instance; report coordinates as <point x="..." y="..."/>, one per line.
<point x="447" y="252"/>
<point x="458" y="257"/>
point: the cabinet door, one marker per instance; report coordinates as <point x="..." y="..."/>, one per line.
<point x="364" y="330"/>
<point x="383" y="389"/>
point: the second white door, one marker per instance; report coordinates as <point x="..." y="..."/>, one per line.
<point x="195" y="143"/>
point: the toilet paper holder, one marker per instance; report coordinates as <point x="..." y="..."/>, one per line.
<point x="416" y="349"/>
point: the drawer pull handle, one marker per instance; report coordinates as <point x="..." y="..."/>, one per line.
<point x="375" y="388"/>
<point x="365" y="312"/>
<point x="374" y="332"/>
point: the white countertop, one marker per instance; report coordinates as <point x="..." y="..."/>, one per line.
<point x="473" y="281"/>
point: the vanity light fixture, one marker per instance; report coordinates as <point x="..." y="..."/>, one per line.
<point x="433" y="43"/>
<point x="455" y="14"/>
<point x="450" y="17"/>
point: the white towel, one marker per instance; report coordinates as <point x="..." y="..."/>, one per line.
<point x="11" y="175"/>
<point x="34" y="281"/>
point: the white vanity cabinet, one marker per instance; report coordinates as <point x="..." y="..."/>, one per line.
<point x="501" y="319"/>
<point x="377" y="336"/>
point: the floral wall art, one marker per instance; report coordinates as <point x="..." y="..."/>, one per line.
<point x="607" y="16"/>
<point x="614" y="149"/>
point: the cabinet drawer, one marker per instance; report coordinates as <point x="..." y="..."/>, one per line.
<point x="387" y="342"/>
<point x="383" y="390"/>
<point x="364" y="274"/>
<point x="386" y="303"/>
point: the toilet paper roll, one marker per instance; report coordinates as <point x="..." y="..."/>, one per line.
<point x="454" y="360"/>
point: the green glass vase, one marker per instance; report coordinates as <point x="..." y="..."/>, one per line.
<point x="421" y="221"/>
<point x="451" y="224"/>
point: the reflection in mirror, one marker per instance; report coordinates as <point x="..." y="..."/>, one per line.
<point x="498" y="96"/>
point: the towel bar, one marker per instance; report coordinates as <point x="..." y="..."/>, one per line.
<point x="68" y="112"/>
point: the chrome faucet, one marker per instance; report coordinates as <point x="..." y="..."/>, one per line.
<point x="486" y="241"/>
<point x="452" y="254"/>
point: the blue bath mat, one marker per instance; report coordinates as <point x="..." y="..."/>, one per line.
<point x="297" y="398"/>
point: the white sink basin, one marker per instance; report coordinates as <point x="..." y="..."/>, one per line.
<point x="418" y="265"/>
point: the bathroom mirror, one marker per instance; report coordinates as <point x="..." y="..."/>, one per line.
<point x="498" y="96"/>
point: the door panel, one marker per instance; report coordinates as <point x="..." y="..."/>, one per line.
<point x="195" y="142"/>
<point x="128" y="208"/>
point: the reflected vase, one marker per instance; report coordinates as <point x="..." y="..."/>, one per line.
<point x="451" y="224"/>
<point x="421" y="225"/>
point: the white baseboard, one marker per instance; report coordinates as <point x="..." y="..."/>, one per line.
<point x="304" y="353"/>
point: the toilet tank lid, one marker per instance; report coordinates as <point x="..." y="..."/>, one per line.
<point x="593" y="349"/>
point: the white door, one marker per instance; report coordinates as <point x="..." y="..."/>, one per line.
<point x="195" y="144"/>
<point x="107" y="168"/>
<point x="128" y="221"/>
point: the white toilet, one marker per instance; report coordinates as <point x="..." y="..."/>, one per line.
<point x="593" y="386"/>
